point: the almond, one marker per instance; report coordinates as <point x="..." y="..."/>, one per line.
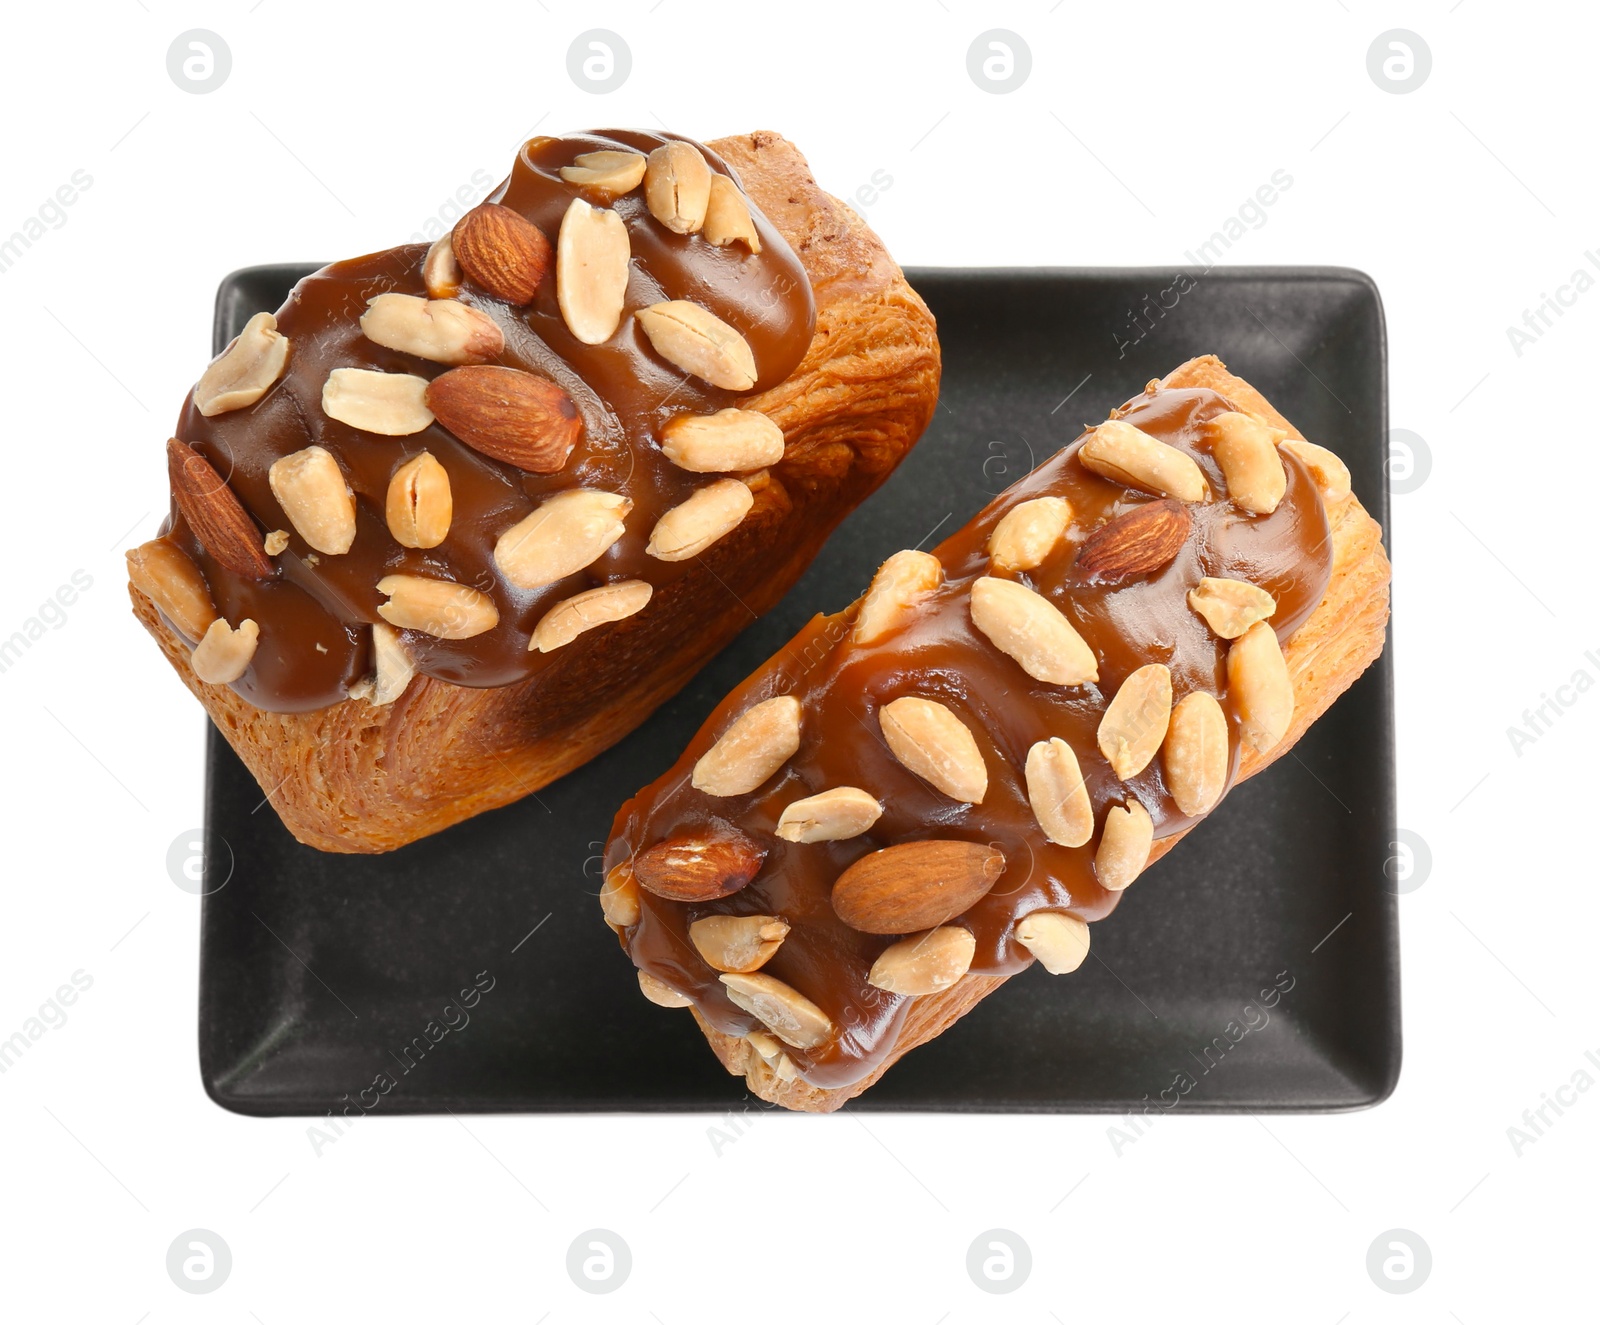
<point x="661" y="993"/>
<point x="310" y="487"/>
<point x="699" y="868"/>
<point x="1060" y="942"/>
<point x="441" y="330"/>
<point x="501" y="251"/>
<point x="783" y="1010"/>
<point x="756" y="745"/>
<point x="164" y="574"/>
<point x="223" y="654"/>
<point x="619" y="897"/>
<point x="1057" y="793"/>
<point x="915" y="885"/>
<point x="1141" y="542"/>
<point x="1231" y="607"/>
<point x="737" y="943"/>
<point x="562" y="535"/>
<point x="699" y="342"/>
<point x="830" y="816"/>
<point x="1247" y="450"/>
<point x="418" y="506"/>
<point x="393" y="664"/>
<point x="1135" y="722"/>
<point x="1028" y="533"/>
<point x="507" y="414"/>
<point x="900" y="583"/>
<point x="1122" y="453"/>
<point x="441" y="608"/>
<point x="1194" y="758"/>
<point x="729" y="441"/>
<point x="571" y="617"/>
<point x="1328" y="472"/>
<point x="728" y="219"/>
<point x="937" y="746"/>
<point x="243" y="372"/>
<point x="1259" y="685"/>
<point x="592" y="254"/>
<point x="693" y="525"/>
<point x="216" y="516"/>
<point x="924" y="963"/>
<point x="1124" y="849"/>
<point x="609" y="172"/>
<point x="389" y="404"/>
<point x="441" y="273"/>
<point x="677" y="187"/>
<point x="1032" y="631"/>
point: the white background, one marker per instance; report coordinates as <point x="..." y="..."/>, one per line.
<point x="342" y="129"/>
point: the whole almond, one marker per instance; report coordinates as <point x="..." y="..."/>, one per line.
<point x="592" y="253"/>
<point x="1231" y="607"/>
<point x="915" y="885"/>
<point x="699" y="342"/>
<point x="441" y="330"/>
<point x="1032" y="631"/>
<point x="754" y="747"/>
<point x="609" y="172"/>
<point x="310" y="487"/>
<point x="737" y="943"/>
<point x="1194" y="758"/>
<point x="1328" y="472"/>
<point x="216" y="516"/>
<point x="901" y="582"/>
<point x="441" y="273"/>
<point x="418" y="506"/>
<point x="392" y="663"/>
<point x="507" y="414"/>
<point x="224" y="654"/>
<point x="164" y="573"/>
<point x="1118" y="451"/>
<point x="1028" y="533"/>
<point x="1058" y="941"/>
<point x="619" y="897"/>
<point x="501" y="251"/>
<point x="440" y="608"/>
<point x="699" y="868"/>
<point x="1247" y="450"/>
<point x="1141" y="542"/>
<point x="728" y="219"/>
<point x="677" y="187"/>
<point x="1259" y="685"/>
<point x="937" y="746"/>
<point x="1057" y="794"/>
<point x="562" y="535"/>
<point x="571" y="617"/>
<point x="782" y="1009"/>
<point x="243" y="372"/>
<point x="924" y="963"/>
<point x="693" y="525"/>
<point x="661" y="993"/>
<point x="1135" y="722"/>
<point x="830" y="816"/>
<point x="389" y="404"/>
<point x="729" y="441"/>
<point x="1124" y="849"/>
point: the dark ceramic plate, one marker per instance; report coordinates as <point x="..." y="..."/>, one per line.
<point x="1257" y="966"/>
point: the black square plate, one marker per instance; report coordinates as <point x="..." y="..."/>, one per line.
<point x="1257" y="966"/>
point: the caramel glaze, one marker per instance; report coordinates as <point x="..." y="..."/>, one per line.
<point x="940" y="655"/>
<point x="314" y="616"/>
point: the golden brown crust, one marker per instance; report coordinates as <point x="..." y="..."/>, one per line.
<point x="1340" y="639"/>
<point x="357" y="778"/>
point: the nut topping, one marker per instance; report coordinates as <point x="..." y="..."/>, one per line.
<point x="441" y="330"/>
<point x="737" y="943"/>
<point x="1032" y="631"/>
<point x="243" y="372"/>
<point x="729" y="441"/>
<point x="441" y="273"/>
<point x="1231" y="607"/>
<point x="210" y="508"/>
<point x="561" y="536"/>
<point x="1124" y="846"/>
<point x="693" y="525"/>
<point x="924" y="963"/>
<point x="933" y="743"/>
<point x="728" y="219"/>
<point x="699" y="342"/>
<point x="1060" y="942"/>
<point x="507" y="414"/>
<point x="1259" y="684"/>
<point x="661" y="993"/>
<point x="164" y="574"/>
<point x="1328" y="472"/>
<point x="1195" y="756"/>
<point x="1028" y="533"/>
<point x="1057" y="793"/>
<point x="784" y="1011"/>
<point x="1141" y="542"/>
<point x="915" y="885"/>
<point x="394" y="666"/>
<point x="275" y="541"/>
<point x="389" y="404"/>
<point x="571" y="617"/>
<point x="901" y="581"/>
<point x="592" y="253"/>
<point x="440" y="608"/>
<point x="619" y="897"/>
<point x="610" y="172"/>
<point x="418" y="506"/>
<point x="1135" y="722"/>
<point x="1247" y="450"/>
<point x="501" y="251"/>
<point x="677" y="187"/>
<point x="754" y="747"/>
<point x="1122" y="453"/>
<point x="224" y="654"/>
<point x="310" y="487"/>
<point x="830" y="816"/>
<point x="699" y="868"/>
